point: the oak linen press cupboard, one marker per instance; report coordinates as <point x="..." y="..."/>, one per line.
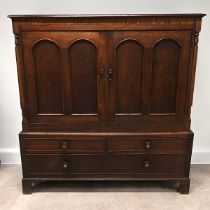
<point x="106" y="97"/>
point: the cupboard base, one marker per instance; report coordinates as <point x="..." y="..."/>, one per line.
<point x="30" y="185"/>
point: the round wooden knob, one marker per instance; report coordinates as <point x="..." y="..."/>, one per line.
<point x="147" y="144"/>
<point x="146" y="164"/>
<point x="65" y="164"/>
<point x="65" y="145"/>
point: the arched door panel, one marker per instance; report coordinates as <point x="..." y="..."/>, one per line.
<point x="165" y="67"/>
<point x="83" y="74"/>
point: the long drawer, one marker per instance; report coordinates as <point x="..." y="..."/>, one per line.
<point x="38" y="164"/>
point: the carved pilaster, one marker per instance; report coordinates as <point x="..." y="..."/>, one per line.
<point x="24" y="114"/>
<point x="20" y="75"/>
<point x="188" y="112"/>
<point x="192" y="70"/>
<point x="17" y="40"/>
<point x="196" y="38"/>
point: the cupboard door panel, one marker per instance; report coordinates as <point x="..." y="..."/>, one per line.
<point x="83" y="64"/>
<point x="65" y="84"/>
<point x="47" y="68"/>
<point x="149" y="72"/>
<point x="166" y="57"/>
<point x="129" y="60"/>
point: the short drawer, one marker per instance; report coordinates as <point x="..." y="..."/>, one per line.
<point x="163" y="145"/>
<point x="67" y="145"/>
<point x="104" y="164"/>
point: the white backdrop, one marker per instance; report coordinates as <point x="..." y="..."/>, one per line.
<point x="10" y="113"/>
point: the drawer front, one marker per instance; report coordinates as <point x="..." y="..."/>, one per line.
<point x="67" y="145"/>
<point x="104" y="164"/>
<point x="153" y="145"/>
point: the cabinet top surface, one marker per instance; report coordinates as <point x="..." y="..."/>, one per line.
<point x="104" y="15"/>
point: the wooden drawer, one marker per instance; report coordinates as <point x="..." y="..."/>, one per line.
<point x="67" y="145"/>
<point x="151" y="145"/>
<point x="104" y="164"/>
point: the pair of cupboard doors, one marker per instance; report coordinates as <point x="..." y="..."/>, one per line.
<point x="105" y="75"/>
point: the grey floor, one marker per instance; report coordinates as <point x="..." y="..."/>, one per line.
<point x="100" y="196"/>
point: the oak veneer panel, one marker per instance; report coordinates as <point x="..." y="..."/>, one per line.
<point x="129" y="58"/>
<point x="166" y="56"/>
<point x="83" y="57"/>
<point x="47" y="68"/>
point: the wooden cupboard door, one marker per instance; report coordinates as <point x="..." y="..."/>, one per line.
<point x="65" y="76"/>
<point x="148" y="73"/>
